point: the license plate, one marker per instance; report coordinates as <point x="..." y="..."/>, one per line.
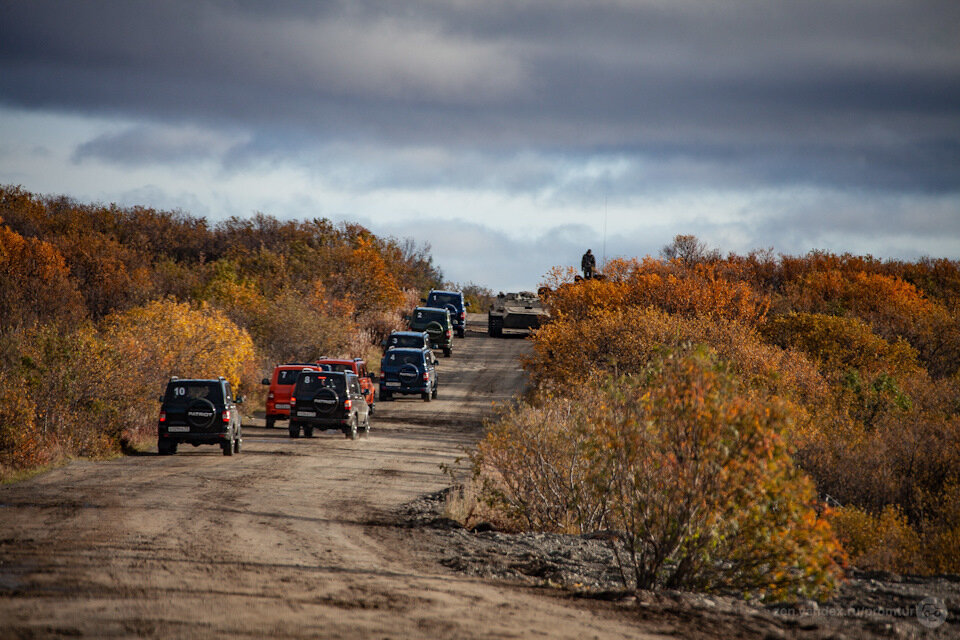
<point x="306" y="413"/>
<point x="177" y="429"/>
<point x="393" y="384"/>
<point x="282" y="406"/>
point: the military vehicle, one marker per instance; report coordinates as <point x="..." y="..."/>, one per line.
<point x="515" y="313"/>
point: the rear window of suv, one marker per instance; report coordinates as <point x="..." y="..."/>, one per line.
<point x="441" y="299"/>
<point x="416" y="342"/>
<point x="428" y="315"/>
<point x="184" y="391"/>
<point x="288" y="376"/>
<point x="341" y="367"/>
<point x="398" y="359"/>
<point x="310" y="382"/>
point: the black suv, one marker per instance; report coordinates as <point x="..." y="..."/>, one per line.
<point x="452" y="301"/>
<point x="199" y="412"/>
<point x="408" y="371"/>
<point x="438" y="325"/>
<point x="328" y="399"/>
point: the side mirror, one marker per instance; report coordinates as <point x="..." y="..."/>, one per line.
<point x="238" y="400"/>
<point x="160" y="399"/>
<point x="373" y="377"/>
<point x="466" y="305"/>
<point x="265" y="381"/>
<point x="423" y="300"/>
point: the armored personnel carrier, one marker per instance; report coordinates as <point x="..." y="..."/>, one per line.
<point x="515" y="313"/>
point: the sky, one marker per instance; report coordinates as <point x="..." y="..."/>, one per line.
<point x="510" y="136"/>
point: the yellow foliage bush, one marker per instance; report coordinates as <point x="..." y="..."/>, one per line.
<point x="165" y="338"/>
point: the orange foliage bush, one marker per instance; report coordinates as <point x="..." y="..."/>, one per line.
<point x="690" y="470"/>
<point x="695" y="290"/>
<point x="893" y="308"/>
<point x="35" y="284"/>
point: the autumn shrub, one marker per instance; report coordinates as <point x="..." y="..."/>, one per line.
<point x="688" y="468"/>
<point x="893" y="308"/>
<point x="625" y="340"/>
<point x="887" y="541"/>
<point x="22" y="444"/>
<point x="35" y="284"/>
<point x="693" y="290"/>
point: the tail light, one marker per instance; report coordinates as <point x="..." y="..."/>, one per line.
<point x="226" y="416"/>
<point x="293" y="401"/>
<point x="163" y="416"/>
<point x="463" y="315"/>
<point x="426" y="376"/>
<point x="449" y="332"/>
<point x="347" y="404"/>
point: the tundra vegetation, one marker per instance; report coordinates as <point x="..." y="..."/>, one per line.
<point x="99" y="305"/>
<point x="749" y="423"/>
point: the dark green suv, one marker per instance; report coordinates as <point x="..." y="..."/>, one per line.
<point x="195" y="411"/>
<point x="452" y="301"/>
<point x="437" y="323"/>
<point x="328" y="399"/>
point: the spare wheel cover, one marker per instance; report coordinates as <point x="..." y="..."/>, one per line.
<point x="409" y="373"/>
<point x="326" y="400"/>
<point x="201" y="413"/>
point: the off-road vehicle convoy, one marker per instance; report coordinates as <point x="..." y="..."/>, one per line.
<point x="452" y="301"/>
<point x="328" y="399"/>
<point x="438" y="325"/>
<point x="199" y="412"/>
<point x="516" y="313"/>
<point x="408" y="371"/>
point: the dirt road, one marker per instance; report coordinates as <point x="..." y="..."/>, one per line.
<point x="289" y="539"/>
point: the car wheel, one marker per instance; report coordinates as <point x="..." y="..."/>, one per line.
<point x="271" y="421"/>
<point x="434" y="394"/>
<point x="352" y="431"/>
<point x="447" y="351"/>
<point x="294" y="429"/>
<point x="227" y="447"/>
<point x="307" y="432"/>
<point x="236" y="445"/>
<point x="426" y="396"/>
<point x="461" y="333"/>
<point x="386" y="395"/>
<point x="164" y="447"/>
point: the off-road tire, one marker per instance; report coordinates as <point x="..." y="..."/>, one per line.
<point x="433" y="394"/>
<point x="307" y="431"/>
<point x="386" y="396"/>
<point x="236" y="444"/>
<point x="227" y="447"/>
<point x="461" y="333"/>
<point x="271" y="420"/>
<point x="426" y="396"/>
<point x="447" y="351"/>
<point x="165" y="447"/>
<point x="352" y="430"/>
<point x="294" y="429"/>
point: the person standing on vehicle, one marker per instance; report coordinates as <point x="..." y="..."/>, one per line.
<point x="588" y="263"/>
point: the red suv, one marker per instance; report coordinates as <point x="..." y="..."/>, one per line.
<point x="357" y="366"/>
<point x="281" y="388"/>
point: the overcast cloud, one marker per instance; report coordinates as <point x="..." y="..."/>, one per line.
<point x="504" y="131"/>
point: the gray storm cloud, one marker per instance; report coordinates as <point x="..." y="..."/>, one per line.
<point x="560" y="101"/>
